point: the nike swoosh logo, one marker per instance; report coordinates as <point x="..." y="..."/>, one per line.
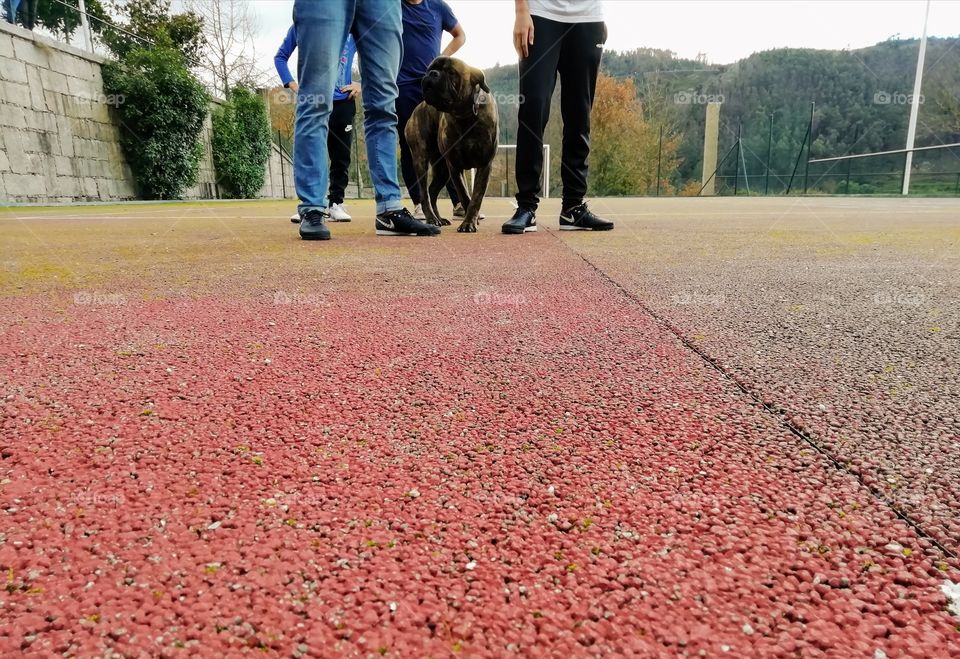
<point x="387" y="223"/>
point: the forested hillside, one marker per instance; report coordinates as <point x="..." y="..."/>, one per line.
<point x="862" y="104"/>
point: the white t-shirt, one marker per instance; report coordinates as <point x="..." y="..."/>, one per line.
<point x="568" y="11"/>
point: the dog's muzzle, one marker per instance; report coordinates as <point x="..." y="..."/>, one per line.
<point x="435" y="92"/>
<point x="430" y="81"/>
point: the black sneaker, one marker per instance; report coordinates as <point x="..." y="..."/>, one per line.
<point x="313" y="226"/>
<point x="524" y="220"/>
<point x="402" y="223"/>
<point x="579" y="218"/>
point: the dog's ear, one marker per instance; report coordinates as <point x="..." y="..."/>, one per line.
<point x="477" y="78"/>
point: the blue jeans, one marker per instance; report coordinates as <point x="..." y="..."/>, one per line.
<point x="12" y="11"/>
<point x="322" y="29"/>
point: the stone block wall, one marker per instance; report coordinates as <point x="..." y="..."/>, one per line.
<point x="59" y="138"/>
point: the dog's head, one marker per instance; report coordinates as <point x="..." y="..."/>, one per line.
<point x="451" y="85"/>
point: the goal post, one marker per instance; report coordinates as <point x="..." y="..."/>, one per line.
<point x="503" y="177"/>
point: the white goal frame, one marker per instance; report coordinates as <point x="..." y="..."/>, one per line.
<point x="546" y="167"/>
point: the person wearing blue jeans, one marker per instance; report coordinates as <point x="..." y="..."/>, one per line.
<point x="340" y="125"/>
<point x="322" y="29"/>
<point x="11" y="6"/>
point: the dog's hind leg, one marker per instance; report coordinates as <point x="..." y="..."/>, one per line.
<point x="469" y="224"/>
<point x="439" y="177"/>
<point x="456" y="176"/>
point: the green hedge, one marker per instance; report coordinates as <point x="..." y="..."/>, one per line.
<point x="241" y="143"/>
<point x="161" y="118"/>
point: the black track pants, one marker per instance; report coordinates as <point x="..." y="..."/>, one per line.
<point x="338" y="146"/>
<point x="573" y="51"/>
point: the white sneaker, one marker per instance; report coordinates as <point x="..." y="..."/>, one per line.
<point x="338" y="213"/>
<point x="295" y="218"/>
<point x="418" y="213"/>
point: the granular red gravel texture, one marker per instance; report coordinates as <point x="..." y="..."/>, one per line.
<point x="842" y="314"/>
<point x="218" y="439"/>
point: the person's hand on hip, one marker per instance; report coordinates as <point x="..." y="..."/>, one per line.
<point x="352" y="90"/>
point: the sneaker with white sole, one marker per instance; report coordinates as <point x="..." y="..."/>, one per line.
<point x="418" y="213"/>
<point x="402" y="223"/>
<point x="524" y="220"/>
<point x="580" y="218"/>
<point x="338" y="213"/>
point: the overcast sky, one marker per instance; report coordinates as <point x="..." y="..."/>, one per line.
<point x="724" y="30"/>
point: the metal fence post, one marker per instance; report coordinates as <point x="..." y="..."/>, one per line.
<point x="856" y="138"/>
<point x="736" y="164"/>
<point x="806" y="171"/>
<point x="766" y="176"/>
<point x="85" y="26"/>
<point x="283" y="174"/>
<point x="659" y="159"/>
<point x="903" y="174"/>
<point x="546" y="172"/>
<point x="356" y="148"/>
<point x="506" y="177"/>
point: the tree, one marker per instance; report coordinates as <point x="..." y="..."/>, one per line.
<point x="940" y="111"/>
<point x="143" y="23"/>
<point x="228" y="57"/>
<point x="161" y="119"/>
<point x="63" y="17"/>
<point x="282" y="104"/>
<point x="623" y="145"/>
<point x="241" y="143"/>
<point x="949" y="105"/>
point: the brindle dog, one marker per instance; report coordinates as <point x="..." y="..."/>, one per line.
<point x="453" y="130"/>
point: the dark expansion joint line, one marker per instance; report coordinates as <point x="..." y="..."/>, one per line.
<point x="780" y="416"/>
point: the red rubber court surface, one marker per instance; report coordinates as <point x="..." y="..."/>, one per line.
<point x="217" y="439"/>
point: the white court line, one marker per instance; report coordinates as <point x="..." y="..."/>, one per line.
<point x="702" y="214"/>
<point x="94" y="214"/>
<point x="137" y="217"/>
<point x="711" y="214"/>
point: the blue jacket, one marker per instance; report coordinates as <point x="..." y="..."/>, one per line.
<point x="423" y="26"/>
<point x="344" y="71"/>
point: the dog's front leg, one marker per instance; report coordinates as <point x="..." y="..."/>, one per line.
<point x="469" y="224"/>
<point x="421" y="167"/>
